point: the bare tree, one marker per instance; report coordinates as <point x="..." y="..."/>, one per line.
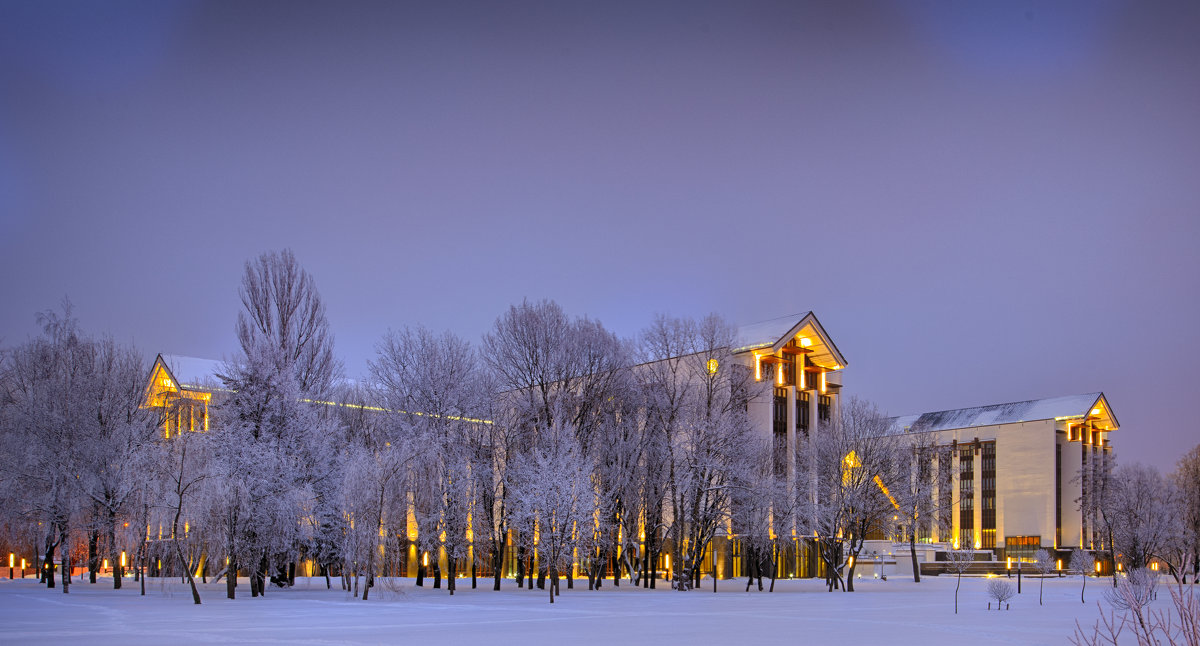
<point x="1143" y="515"/>
<point x="1082" y="563"/>
<point x="1000" y="590"/>
<point x="958" y="562"/>
<point x="700" y="413"/>
<point x="1043" y="562"/>
<point x="1187" y="481"/>
<point x="552" y="497"/>
<point x="912" y="489"/>
<point x="850" y="464"/>
<point x="432" y="386"/>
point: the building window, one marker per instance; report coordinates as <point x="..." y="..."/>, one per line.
<point x="1022" y="548"/>
<point x="1057" y="495"/>
<point x="824" y="405"/>
<point x="966" y="497"/>
<point x="987" y="538"/>
<point x="779" y="434"/>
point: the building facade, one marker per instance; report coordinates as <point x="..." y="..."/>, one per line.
<point x="1014" y="478"/>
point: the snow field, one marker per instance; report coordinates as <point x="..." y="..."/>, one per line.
<point x="799" y="611"/>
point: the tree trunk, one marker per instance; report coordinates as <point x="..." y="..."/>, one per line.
<point x="48" y="562"/>
<point x="521" y="566"/>
<point x="231" y="577"/>
<point x="912" y="550"/>
<point x="63" y="539"/>
<point x="437" y="575"/>
<point x="497" y="564"/>
<point x="114" y="552"/>
<point x="93" y="554"/>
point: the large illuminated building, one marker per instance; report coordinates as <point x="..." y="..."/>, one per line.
<point x="1008" y="475"/>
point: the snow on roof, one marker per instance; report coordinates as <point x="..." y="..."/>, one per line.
<point x="1026" y="411"/>
<point x="763" y="333"/>
<point x="193" y="372"/>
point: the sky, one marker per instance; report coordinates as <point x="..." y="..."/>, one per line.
<point x="982" y="202"/>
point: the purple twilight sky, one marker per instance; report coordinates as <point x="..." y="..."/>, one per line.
<point x="983" y="202"/>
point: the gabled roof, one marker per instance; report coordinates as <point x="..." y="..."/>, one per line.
<point x="773" y="334"/>
<point x="192" y="372"/>
<point x="1067" y="407"/>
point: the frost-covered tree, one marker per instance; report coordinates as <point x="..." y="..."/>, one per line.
<point x="553" y="497"/>
<point x="958" y="562"/>
<point x="109" y="475"/>
<point x="1000" y="590"/>
<point x="374" y="504"/>
<point x="850" y="462"/>
<point x="70" y="415"/>
<point x="1043" y="562"/>
<point x="696" y="399"/>
<point x="432" y="387"/>
<point x="554" y="371"/>
<point x="272" y="448"/>
<point x="1187" y="482"/>
<point x="912" y="490"/>
<point x="763" y="510"/>
<point x="1143" y="516"/>
<point x="1082" y="563"/>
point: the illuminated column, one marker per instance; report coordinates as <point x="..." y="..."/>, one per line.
<point x="835" y="403"/>
<point x="814" y="396"/>
<point x="813" y="429"/>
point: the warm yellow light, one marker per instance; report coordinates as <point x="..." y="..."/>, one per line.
<point x="757" y="367"/>
<point x="122" y="559"/>
<point x="779" y="374"/>
<point x="822" y="382"/>
<point x="978" y="545"/>
<point x="1059" y="564"/>
<point x="22" y="564"/>
<point x="805" y="342"/>
<point x="1097" y="567"/>
<point x="104" y="564"/>
<point x="713" y="364"/>
<point x="1095" y="411"/>
<point x="1154" y="566"/>
<point x="850" y="561"/>
<point x="425" y="559"/>
<point x="1008" y="563"/>
<point x="12" y="558"/>
<point x="1119" y="568"/>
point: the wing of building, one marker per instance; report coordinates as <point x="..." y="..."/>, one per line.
<point x="1017" y="472"/>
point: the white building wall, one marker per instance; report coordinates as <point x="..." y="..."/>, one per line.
<point x="1025" y="480"/>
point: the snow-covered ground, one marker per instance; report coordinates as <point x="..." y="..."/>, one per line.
<point x="892" y="612"/>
